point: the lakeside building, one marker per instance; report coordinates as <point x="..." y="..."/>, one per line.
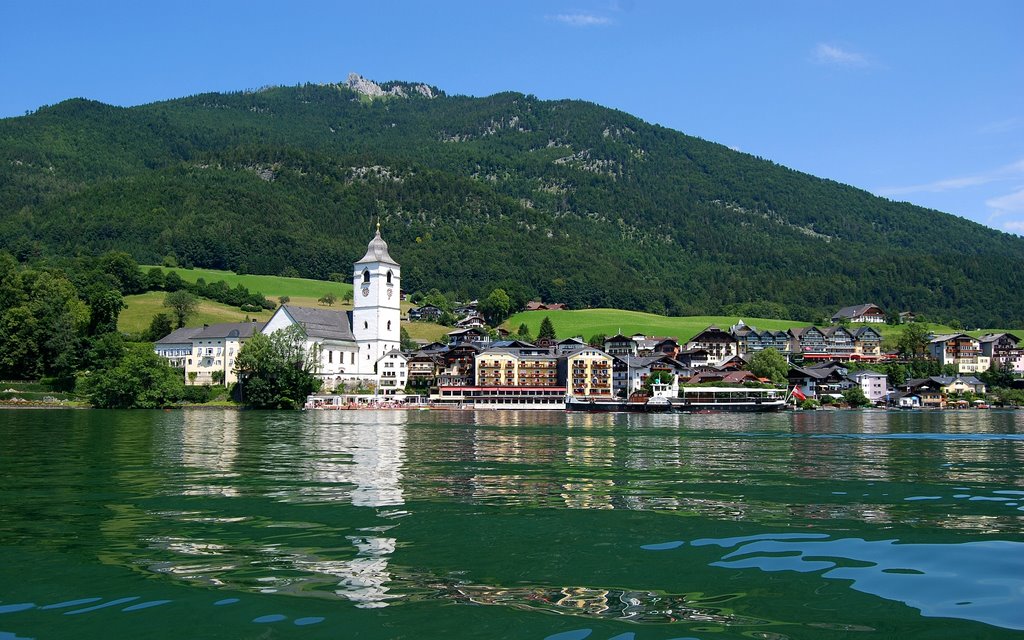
<point x="935" y="392"/>
<point x="352" y="347"/>
<point x="875" y="385"/>
<point x="214" y="349"/>
<point x="176" y="347"/>
<point x="960" y="350"/>
<point x="750" y="340"/>
<point x="816" y="380"/>
<point x="516" y="366"/>
<point x="1003" y="351"/>
<point x="720" y="345"/>
<point x="358" y="348"/>
<point x="587" y="372"/>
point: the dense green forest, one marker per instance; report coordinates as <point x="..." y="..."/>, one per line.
<point x="561" y="200"/>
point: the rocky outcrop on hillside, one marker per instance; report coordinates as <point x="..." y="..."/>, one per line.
<point x="369" y="88"/>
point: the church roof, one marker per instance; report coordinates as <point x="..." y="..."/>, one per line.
<point x="377" y="251"/>
<point x="329" y="324"/>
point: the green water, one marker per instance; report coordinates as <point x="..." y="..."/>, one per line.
<point x="361" y="524"/>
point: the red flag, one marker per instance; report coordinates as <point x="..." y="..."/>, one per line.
<point x="798" y="394"/>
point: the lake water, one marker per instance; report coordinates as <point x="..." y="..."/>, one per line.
<point x="437" y="524"/>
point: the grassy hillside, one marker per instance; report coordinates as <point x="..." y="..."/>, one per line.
<point x="589" y="322"/>
<point x="302" y="291"/>
<point x="139" y="311"/>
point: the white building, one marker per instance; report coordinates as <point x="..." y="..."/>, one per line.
<point x="176" y="346"/>
<point x="357" y="346"/>
<point x="874" y="384"/>
<point x="329" y="332"/>
<point x="393" y="373"/>
<point x="214" y="349"/>
<point x="376" y="310"/>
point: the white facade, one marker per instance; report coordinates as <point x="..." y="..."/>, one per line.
<point x="327" y="332"/>
<point x="360" y="347"/>
<point x="393" y="372"/>
<point x="875" y="385"/>
<point x="376" y="313"/>
<point x="214" y="349"/>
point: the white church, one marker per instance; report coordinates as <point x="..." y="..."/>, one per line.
<point x="362" y="346"/>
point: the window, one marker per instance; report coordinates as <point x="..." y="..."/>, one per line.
<point x="366" y="275"/>
<point x="389" y="276"/>
<point x="366" y="325"/>
<point x="389" y="325"/>
<point x="330" y="357"/>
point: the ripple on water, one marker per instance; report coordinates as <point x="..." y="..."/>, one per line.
<point x="981" y="581"/>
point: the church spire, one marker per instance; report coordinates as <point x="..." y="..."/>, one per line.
<point x="377" y="250"/>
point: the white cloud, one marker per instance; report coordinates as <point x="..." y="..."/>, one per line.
<point x="1015" y="226"/>
<point x="1006" y="172"/>
<point x="581" y="19"/>
<point x="1010" y="203"/>
<point x="833" y="55"/>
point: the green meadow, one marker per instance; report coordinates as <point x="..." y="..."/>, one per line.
<point x="140" y="309"/>
<point x="302" y="291"/>
<point x="588" y="322"/>
<point x="584" y="322"/>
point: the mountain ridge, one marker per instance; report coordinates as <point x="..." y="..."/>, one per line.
<point x="564" y="200"/>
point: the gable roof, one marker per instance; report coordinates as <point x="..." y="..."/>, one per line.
<point x="832" y="331"/>
<point x="945" y="381"/>
<point x="712" y="333"/>
<point x="992" y="337"/>
<point x="326" y="324"/>
<point x="571" y="341"/>
<point x="229" y="330"/>
<point x="183" y="335"/>
<point x="856" y="311"/>
<point x="866" y="373"/>
<point x="859" y="334"/>
<point x="946" y="337"/>
<point x="618" y="337"/>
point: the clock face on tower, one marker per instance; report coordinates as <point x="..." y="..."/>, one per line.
<point x="390" y="291"/>
<point x="366" y="291"/>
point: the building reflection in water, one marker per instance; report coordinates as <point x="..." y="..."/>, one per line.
<point x="208" y="452"/>
<point x="366" y="452"/>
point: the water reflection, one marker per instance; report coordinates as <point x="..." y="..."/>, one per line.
<point x="333" y="458"/>
<point x="982" y="581"/>
<point x="382" y="508"/>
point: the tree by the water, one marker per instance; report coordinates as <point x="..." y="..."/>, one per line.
<point x="141" y="380"/>
<point x="277" y="371"/>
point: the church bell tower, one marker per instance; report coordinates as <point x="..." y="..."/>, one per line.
<point x="376" y="281"/>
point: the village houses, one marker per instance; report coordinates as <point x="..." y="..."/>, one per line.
<point x="360" y="349"/>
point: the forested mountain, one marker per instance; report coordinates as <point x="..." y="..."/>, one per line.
<point x="563" y="200"/>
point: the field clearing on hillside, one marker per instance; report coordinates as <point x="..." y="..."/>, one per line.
<point x="425" y="330"/>
<point x="139" y="311"/>
<point x="302" y="291"/>
<point x="589" y="322"/>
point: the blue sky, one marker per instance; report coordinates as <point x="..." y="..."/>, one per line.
<point x="914" y="100"/>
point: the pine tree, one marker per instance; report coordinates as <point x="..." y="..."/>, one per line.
<point x="547" y="330"/>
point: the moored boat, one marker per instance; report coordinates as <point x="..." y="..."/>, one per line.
<point x="742" y="399"/>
